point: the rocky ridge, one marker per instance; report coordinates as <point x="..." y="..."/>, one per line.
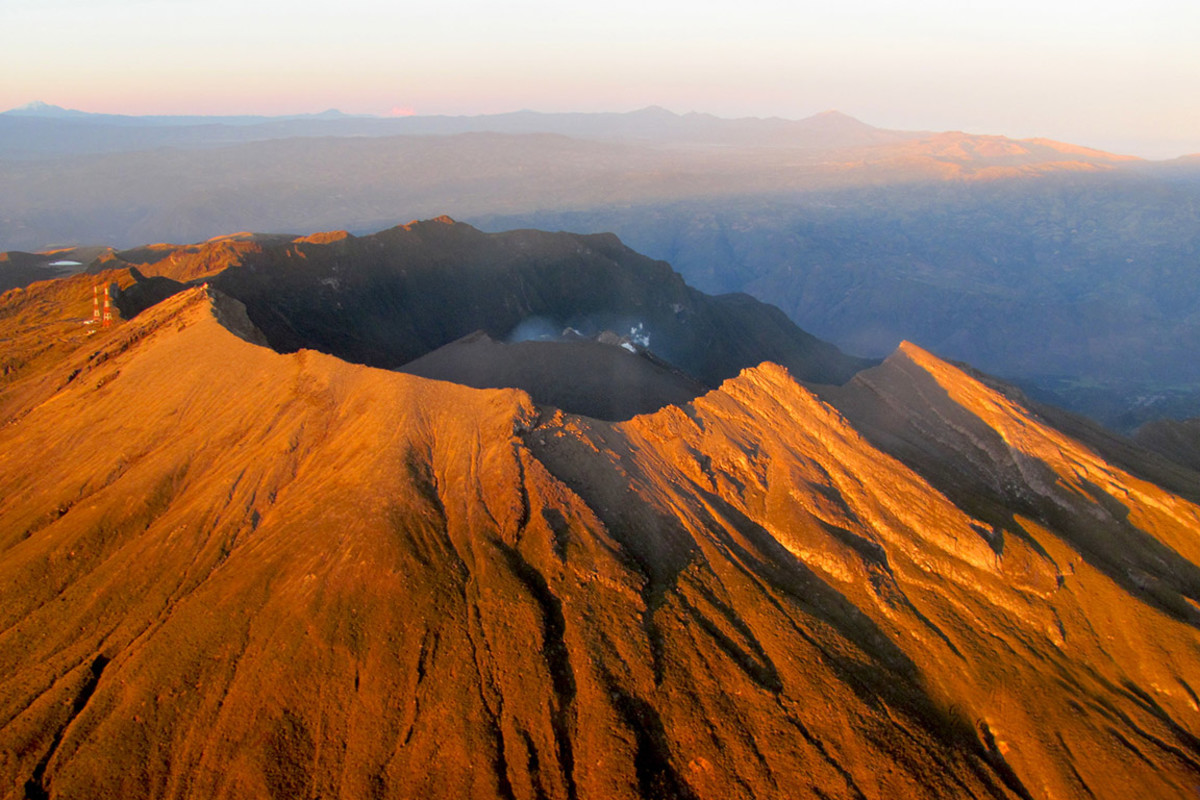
<point x="229" y="572"/>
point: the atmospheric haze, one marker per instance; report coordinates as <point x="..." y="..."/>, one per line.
<point x="1096" y="73"/>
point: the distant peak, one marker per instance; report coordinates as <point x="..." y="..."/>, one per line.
<point x="444" y="219"/>
<point x="226" y="237"/>
<point x="324" y="237"/>
<point x="835" y="117"/>
<point x="653" y="111"/>
<point x="39" y="109"/>
<point x="919" y="355"/>
<point x="1080" y="150"/>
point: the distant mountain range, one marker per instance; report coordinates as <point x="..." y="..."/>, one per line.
<point x="39" y="129"/>
<point x="229" y="569"/>
<point x="41" y="110"/>
<point x="1061" y="267"/>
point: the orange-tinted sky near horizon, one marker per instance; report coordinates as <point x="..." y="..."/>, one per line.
<point x="1113" y="75"/>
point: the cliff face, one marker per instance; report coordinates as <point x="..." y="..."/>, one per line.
<point x="227" y="572"/>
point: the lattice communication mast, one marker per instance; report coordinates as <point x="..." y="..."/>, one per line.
<point x="101" y="314"/>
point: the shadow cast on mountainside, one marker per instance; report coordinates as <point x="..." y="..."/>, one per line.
<point x="890" y="677"/>
<point x="596" y="379"/>
<point x="617" y="334"/>
<point x="904" y="411"/>
<point x="625" y="334"/>
<point x="693" y="572"/>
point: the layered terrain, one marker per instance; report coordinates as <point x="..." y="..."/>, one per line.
<point x="227" y="571"/>
<point x="125" y="181"/>
<point x="1063" y="268"/>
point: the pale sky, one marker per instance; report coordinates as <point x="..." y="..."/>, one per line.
<point x="1115" y="75"/>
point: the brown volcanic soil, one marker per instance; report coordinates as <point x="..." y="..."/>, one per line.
<point x="605" y="381"/>
<point x="226" y="572"/>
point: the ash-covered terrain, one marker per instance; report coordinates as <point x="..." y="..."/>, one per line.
<point x="243" y="552"/>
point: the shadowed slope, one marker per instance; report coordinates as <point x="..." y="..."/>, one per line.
<point x="1178" y="440"/>
<point x="19" y="269"/>
<point x="606" y="381"/>
<point x="386" y="299"/>
<point x="391" y="298"/>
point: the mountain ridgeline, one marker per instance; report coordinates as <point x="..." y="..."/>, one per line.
<point x="391" y="298"/>
<point x="236" y="570"/>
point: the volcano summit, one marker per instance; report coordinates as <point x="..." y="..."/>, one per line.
<point x="246" y="552"/>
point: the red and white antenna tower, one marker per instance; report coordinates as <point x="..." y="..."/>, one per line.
<point x="105" y="317"/>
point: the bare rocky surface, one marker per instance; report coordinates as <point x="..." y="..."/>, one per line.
<point x="230" y="572"/>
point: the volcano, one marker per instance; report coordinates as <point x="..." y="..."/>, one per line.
<point x="245" y="553"/>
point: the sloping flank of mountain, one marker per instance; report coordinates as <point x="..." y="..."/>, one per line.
<point x="228" y="572"/>
<point x="1178" y="440"/>
<point x="996" y="459"/>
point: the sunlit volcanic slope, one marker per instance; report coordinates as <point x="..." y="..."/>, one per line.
<point x="227" y="572"/>
<point x="957" y="155"/>
<point x="998" y="460"/>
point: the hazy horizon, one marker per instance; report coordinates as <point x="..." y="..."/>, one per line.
<point x="1095" y="74"/>
<point x="1137" y="149"/>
